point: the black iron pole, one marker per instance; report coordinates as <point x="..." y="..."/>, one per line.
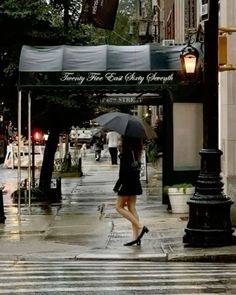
<point x="33" y="163"/>
<point x="209" y="209"/>
<point x="2" y="214"/>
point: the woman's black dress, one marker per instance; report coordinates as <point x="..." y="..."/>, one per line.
<point x="128" y="183"/>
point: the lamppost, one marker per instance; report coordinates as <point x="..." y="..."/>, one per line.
<point x="209" y="209"/>
<point x="189" y="59"/>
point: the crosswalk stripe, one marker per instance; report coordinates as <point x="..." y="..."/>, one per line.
<point x="104" y="279"/>
<point x="117" y="288"/>
<point x="112" y="263"/>
<point x="101" y="282"/>
<point x="144" y="272"/>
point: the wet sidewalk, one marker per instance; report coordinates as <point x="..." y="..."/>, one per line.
<point x="85" y="224"/>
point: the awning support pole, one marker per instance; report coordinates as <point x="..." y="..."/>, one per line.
<point x="29" y="150"/>
<point x="19" y="154"/>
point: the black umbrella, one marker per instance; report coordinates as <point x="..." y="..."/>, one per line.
<point x="126" y="125"/>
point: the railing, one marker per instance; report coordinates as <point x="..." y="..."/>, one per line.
<point x="11" y="159"/>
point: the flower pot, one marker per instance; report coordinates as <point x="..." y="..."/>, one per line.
<point x="179" y="198"/>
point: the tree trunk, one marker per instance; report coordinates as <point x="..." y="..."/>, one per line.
<point x="48" y="163"/>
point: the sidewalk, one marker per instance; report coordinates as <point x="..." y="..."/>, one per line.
<point x="85" y="224"/>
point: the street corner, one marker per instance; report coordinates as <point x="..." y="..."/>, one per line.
<point x="209" y="254"/>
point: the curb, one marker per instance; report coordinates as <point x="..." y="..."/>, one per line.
<point x="202" y="258"/>
<point x="123" y="257"/>
<point x="171" y="258"/>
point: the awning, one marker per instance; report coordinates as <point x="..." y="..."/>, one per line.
<point x="104" y="67"/>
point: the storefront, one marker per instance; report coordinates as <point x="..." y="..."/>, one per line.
<point x="139" y="70"/>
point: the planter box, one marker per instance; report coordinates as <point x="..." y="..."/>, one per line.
<point x="179" y="198"/>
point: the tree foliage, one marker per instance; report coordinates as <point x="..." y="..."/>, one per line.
<point x="127" y="7"/>
<point x="33" y="22"/>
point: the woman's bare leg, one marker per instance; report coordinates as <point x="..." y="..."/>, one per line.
<point x="131" y="213"/>
<point x="131" y="204"/>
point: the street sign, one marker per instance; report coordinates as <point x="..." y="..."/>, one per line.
<point x="117" y="100"/>
<point x="129" y="99"/>
<point x="204" y="10"/>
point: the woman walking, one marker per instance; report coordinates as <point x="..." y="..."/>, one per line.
<point x="128" y="186"/>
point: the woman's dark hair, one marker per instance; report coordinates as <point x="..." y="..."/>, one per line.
<point x="132" y="144"/>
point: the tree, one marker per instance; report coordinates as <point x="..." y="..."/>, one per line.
<point x="70" y="9"/>
<point x="125" y="30"/>
<point x="38" y="22"/>
<point x="127" y="7"/>
<point x="61" y="113"/>
<point x="24" y="22"/>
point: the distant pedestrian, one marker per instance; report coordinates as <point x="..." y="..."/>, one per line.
<point x="128" y="186"/>
<point x="97" y="142"/>
<point x="113" y="141"/>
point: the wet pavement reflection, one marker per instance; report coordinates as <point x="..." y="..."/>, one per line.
<point x="77" y="219"/>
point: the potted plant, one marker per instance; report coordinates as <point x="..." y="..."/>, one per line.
<point x="179" y="194"/>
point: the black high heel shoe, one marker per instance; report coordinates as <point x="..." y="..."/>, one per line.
<point x="134" y="242"/>
<point x="138" y="240"/>
<point x="143" y="231"/>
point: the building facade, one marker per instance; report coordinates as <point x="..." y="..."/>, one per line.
<point x="227" y="113"/>
<point x="178" y="27"/>
<point x="174" y="21"/>
<point x="167" y="20"/>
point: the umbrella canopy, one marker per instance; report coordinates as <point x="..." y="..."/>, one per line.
<point x="126" y="125"/>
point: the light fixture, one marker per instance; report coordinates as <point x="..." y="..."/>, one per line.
<point x="189" y="58"/>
